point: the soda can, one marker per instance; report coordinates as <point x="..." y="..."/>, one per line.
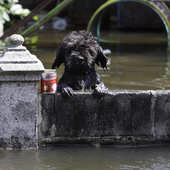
<point x="49" y="81"/>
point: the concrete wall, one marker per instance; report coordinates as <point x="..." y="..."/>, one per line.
<point x="119" y="117"/>
<point x="18" y="104"/>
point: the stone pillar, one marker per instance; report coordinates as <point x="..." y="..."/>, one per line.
<point x="20" y="72"/>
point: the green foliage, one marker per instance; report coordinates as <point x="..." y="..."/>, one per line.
<point x="10" y="8"/>
<point x="31" y="40"/>
<point x="35" y="18"/>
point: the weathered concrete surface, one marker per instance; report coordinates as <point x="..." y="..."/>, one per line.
<point x="119" y="117"/>
<point x="18" y="115"/>
<point x="20" y="73"/>
<point x="162" y="115"/>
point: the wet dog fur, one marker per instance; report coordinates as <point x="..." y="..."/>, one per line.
<point x="79" y="52"/>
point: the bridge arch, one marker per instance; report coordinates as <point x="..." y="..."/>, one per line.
<point x="159" y="7"/>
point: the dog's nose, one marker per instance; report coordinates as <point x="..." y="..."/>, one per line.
<point x="80" y="58"/>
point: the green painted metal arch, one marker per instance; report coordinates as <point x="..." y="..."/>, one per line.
<point x="159" y="7"/>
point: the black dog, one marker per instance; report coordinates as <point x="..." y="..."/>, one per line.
<point x="79" y="52"/>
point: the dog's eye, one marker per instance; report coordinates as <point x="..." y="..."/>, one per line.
<point x="70" y="49"/>
<point x="67" y="50"/>
<point x="82" y="47"/>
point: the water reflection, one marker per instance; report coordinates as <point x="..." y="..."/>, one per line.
<point x="83" y="158"/>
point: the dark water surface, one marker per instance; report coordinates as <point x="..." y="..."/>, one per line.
<point x="140" y="61"/>
<point x="87" y="158"/>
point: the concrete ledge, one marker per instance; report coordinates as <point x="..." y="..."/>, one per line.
<point x="107" y="140"/>
<point x="119" y="117"/>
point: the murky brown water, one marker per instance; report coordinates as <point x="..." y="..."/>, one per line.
<point x="87" y="158"/>
<point x="140" y="61"/>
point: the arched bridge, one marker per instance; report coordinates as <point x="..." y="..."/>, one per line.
<point x="158" y="6"/>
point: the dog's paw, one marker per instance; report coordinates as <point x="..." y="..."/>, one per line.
<point x="67" y="91"/>
<point x="97" y="92"/>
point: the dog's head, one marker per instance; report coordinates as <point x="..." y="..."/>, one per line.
<point x="79" y="52"/>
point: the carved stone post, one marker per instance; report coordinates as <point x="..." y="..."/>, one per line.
<point x="20" y="72"/>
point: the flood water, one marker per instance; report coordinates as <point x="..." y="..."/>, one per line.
<point x="139" y="61"/>
<point x="87" y="158"/>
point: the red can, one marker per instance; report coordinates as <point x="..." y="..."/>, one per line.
<point x="49" y="81"/>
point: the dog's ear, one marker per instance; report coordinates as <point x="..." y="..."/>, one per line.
<point x="101" y="59"/>
<point x="59" y="58"/>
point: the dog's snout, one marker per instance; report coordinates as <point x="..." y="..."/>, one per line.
<point x="80" y="58"/>
<point x="77" y="57"/>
